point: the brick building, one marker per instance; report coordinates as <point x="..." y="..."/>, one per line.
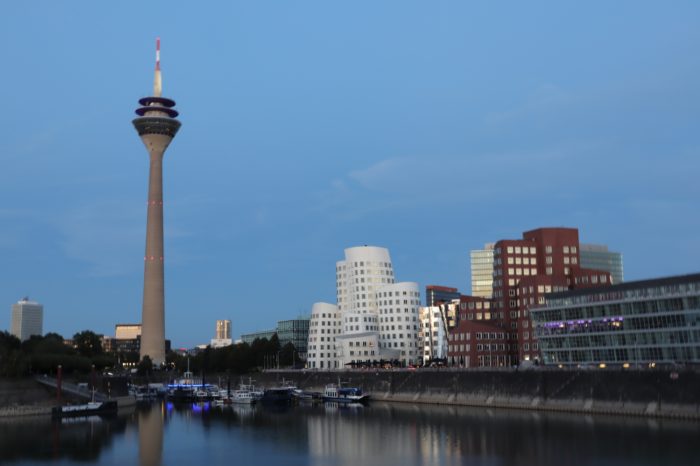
<point x="545" y="260"/>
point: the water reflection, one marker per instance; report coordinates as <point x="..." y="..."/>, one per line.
<point x="381" y="433"/>
<point x="39" y="438"/>
<point x="151" y="423"/>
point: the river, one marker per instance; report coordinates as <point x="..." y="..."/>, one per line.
<point x="381" y="434"/>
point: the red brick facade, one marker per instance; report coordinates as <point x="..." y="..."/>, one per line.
<point x="525" y="270"/>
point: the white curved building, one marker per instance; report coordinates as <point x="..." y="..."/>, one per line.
<point x="324" y="327"/>
<point x="399" y="322"/>
<point x="376" y="318"/>
<point x="358" y="277"/>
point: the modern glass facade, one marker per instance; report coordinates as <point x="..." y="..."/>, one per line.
<point x="295" y="331"/>
<point x="435" y="295"/>
<point x="597" y="256"/>
<point x="482" y="271"/>
<point x="643" y="322"/>
<point x="251" y="337"/>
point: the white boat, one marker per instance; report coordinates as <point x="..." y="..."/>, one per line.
<point x="243" y="397"/>
<point x="90" y="408"/>
<point x="338" y="394"/>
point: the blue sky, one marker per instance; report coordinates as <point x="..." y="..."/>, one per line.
<point x="428" y="128"/>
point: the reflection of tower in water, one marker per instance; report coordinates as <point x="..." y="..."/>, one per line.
<point x="151" y="436"/>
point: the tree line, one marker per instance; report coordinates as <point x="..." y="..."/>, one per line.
<point x="43" y="354"/>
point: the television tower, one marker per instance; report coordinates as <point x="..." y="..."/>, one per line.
<point x="156" y="126"/>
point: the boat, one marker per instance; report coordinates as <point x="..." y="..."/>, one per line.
<point x="277" y="396"/>
<point x="243" y="397"/>
<point x="84" y="410"/>
<point x="336" y="393"/>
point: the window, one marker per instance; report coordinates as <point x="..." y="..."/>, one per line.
<point x="566" y="249"/>
<point x="549" y="271"/>
<point x="548" y="249"/>
<point x="510" y="249"/>
<point x="517" y="250"/>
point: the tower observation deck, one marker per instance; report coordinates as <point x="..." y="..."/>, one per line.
<point x="157" y="126"/>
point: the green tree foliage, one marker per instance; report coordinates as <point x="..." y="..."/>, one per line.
<point x="11" y="359"/>
<point x="88" y="343"/>
<point x="43" y="354"/>
<point x="241" y="358"/>
<point x="145" y="366"/>
<point x="287" y="355"/>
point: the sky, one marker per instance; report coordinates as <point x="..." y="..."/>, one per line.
<point x="428" y="128"/>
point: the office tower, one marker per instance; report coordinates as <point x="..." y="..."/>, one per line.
<point x="27" y="319"/>
<point x="157" y="126"/>
<point x="482" y="271"/>
<point x="597" y="256"/>
<point x="223" y="334"/>
<point x="545" y="260"/>
<point x="223" y="329"/>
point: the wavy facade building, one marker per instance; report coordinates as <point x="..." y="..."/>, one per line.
<point x="375" y="317"/>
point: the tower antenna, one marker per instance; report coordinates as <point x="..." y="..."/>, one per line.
<point x="157" y="82"/>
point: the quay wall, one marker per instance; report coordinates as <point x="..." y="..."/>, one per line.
<point x="639" y="393"/>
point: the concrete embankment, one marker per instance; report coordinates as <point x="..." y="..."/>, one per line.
<point x="27" y="397"/>
<point x="24" y="397"/>
<point x="638" y="393"/>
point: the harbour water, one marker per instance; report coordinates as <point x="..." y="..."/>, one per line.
<point x="380" y="433"/>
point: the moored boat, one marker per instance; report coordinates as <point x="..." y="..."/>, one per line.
<point x="338" y="394"/>
<point x="88" y="409"/>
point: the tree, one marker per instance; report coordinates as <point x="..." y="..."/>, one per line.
<point x="287" y="355"/>
<point x="145" y="366"/>
<point x="88" y="343"/>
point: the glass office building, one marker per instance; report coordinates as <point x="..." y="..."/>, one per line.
<point x="482" y="271"/>
<point x="251" y="337"/>
<point x="598" y="257"/>
<point x="295" y="331"/>
<point x="643" y="322"/>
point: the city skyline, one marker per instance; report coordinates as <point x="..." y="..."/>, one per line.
<point x="313" y="128"/>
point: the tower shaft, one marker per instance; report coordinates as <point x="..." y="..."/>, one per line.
<point x="153" y="310"/>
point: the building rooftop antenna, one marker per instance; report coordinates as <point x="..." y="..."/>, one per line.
<point x="157" y="80"/>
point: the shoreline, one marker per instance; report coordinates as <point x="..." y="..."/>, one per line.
<point x="582" y="406"/>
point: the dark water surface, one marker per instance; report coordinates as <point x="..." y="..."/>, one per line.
<point x="381" y="433"/>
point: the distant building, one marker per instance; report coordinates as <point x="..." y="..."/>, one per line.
<point x="251" y="337"/>
<point x="127" y="331"/>
<point x="642" y="322"/>
<point x="435" y="294"/>
<point x="125" y="345"/>
<point x="597" y="256"/>
<point x="296" y="332"/>
<point x="127" y="340"/>
<point x="482" y="271"/>
<point x="223" y="334"/>
<point x="223" y="329"/>
<point x="27" y="319"/>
